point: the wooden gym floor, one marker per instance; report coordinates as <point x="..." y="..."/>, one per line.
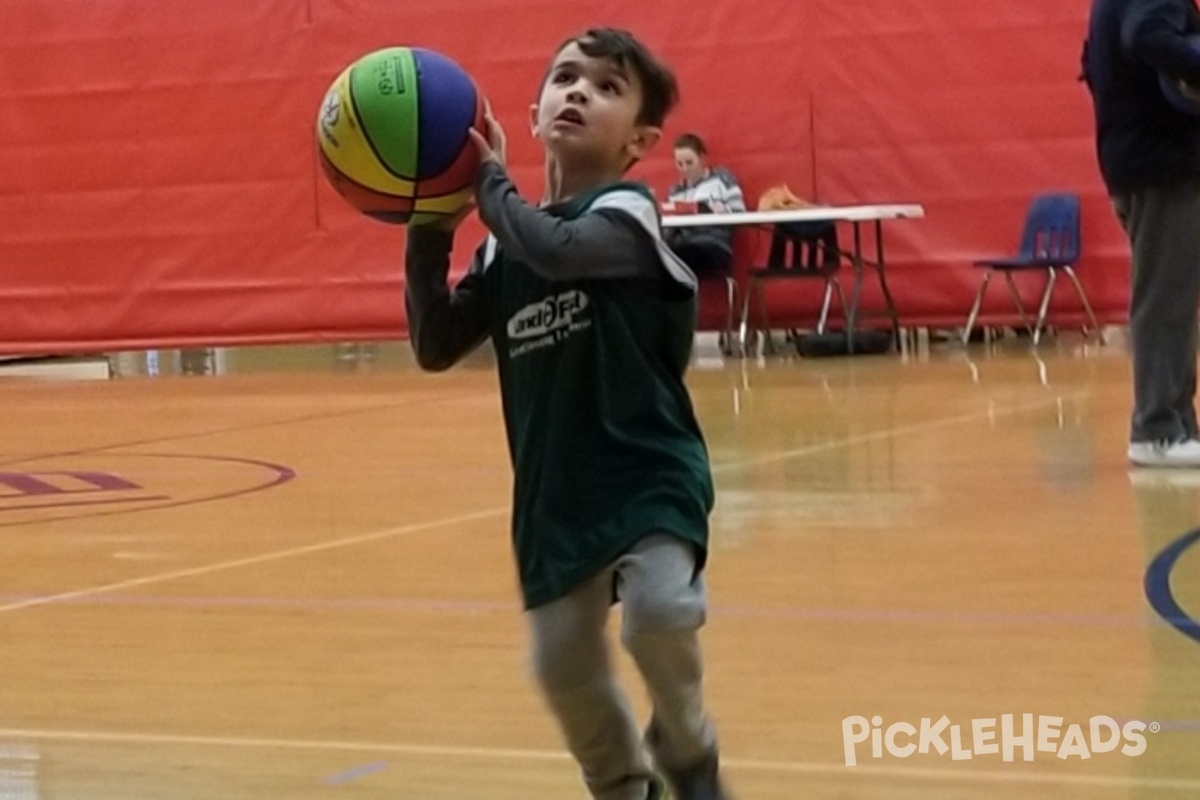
<point x="293" y="580"/>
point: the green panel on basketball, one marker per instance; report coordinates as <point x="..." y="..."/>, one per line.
<point x="383" y="87"/>
<point x="392" y="135"/>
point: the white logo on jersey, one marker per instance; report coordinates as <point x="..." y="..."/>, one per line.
<point x="551" y="314"/>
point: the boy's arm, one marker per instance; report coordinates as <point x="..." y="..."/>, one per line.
<point x="731" y="198"/>
<point x="443" y="325"/>
<point x="602" y="243"/>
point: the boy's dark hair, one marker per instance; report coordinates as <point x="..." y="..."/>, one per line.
<point x="691" y="142"/>
<point x="660" y="91"/>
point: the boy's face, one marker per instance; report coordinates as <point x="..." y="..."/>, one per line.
<point x="691" y="165"/>
<point x="588" y="111"/>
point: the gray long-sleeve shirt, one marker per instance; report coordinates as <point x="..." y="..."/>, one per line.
<point x="447" y="324"/>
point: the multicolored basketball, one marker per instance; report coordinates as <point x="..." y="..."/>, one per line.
<point x="392" y="135"/>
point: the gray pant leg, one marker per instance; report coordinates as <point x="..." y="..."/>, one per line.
<point x="572" y="666"/>
<point x="664" y="606"/>
<point x="1163" y="224"/>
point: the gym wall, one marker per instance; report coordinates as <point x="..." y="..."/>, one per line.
<point x="158" y="185"/>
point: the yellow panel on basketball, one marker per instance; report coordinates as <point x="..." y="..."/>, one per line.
<point x="445" y="204"/>
<point x="340" y="137"/>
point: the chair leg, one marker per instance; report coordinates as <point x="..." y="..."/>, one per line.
<point x="1041" y="319"/>
<point x="744" y="326"/>
<point x="768" y="341"/>
<point x="983" y="284"/>
<point x="1016" y="296"/>
<point x="1095" y="327"/>
<point x="730" y="303"/>
<point x="825" y="306"/>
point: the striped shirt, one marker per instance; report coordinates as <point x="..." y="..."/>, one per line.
<point x="719" y="190"/>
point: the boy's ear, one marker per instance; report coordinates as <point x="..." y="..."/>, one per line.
<point x="533" y="119"/>
<point x="643" y="141"/>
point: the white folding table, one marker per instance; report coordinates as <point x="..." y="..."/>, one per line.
<point x="855" y="215"/>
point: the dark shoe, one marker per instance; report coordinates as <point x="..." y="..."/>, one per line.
<point x="657" y="790"/>
<point x="701" y="782"/>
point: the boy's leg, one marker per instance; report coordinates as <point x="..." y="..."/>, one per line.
<point x="571" y="663"/>
<point x="664" y="602"/>
<point x="1164" y="291"/>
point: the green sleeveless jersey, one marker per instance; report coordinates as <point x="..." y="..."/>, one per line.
<point x="603" y="437"/>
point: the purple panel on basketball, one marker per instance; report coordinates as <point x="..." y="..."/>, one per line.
<point x="447" y="105"/>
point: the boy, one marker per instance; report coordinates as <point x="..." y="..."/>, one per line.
<point x="592" y="319"/>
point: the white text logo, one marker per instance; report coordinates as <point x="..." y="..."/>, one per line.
<point x="1008" y="736"/>
<point x="550" y="314"/>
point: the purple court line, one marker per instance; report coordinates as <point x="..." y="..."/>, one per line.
<point x="108" y="449"/>
<point x="75" y="503"/>
<point x="314" y="604"/>
<point x="353" y="774"/>
<point x="322" y="416"/>
<point x="490" y="606"/>
<point x="281" y="475"/>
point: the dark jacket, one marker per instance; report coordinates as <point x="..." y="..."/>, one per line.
<point x="1141" y="139"/>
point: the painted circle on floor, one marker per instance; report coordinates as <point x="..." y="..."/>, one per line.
<point x="1162" y="580"/>
<point x="74" y="486"/>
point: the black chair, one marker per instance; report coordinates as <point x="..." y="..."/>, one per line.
<point x="799" y="251"/>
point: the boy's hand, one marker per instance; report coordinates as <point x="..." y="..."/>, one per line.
<point x="493" y="147"/>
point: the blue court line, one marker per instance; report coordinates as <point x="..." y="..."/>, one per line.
<point x="1158" y="586"/>
<point x="355" y="773"/>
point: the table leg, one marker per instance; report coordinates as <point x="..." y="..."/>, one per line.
<point x="856" y="292"/>
<point x="887" y="294"/>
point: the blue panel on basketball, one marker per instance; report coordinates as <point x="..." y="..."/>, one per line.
<point x="447" y="103"/>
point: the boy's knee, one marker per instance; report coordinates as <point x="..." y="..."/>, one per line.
<point x="656" y="613"/>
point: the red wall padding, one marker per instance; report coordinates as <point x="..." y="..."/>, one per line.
<point x="158" y="185"/>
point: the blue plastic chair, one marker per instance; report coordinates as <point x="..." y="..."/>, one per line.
<point x="1050" y="242"/>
